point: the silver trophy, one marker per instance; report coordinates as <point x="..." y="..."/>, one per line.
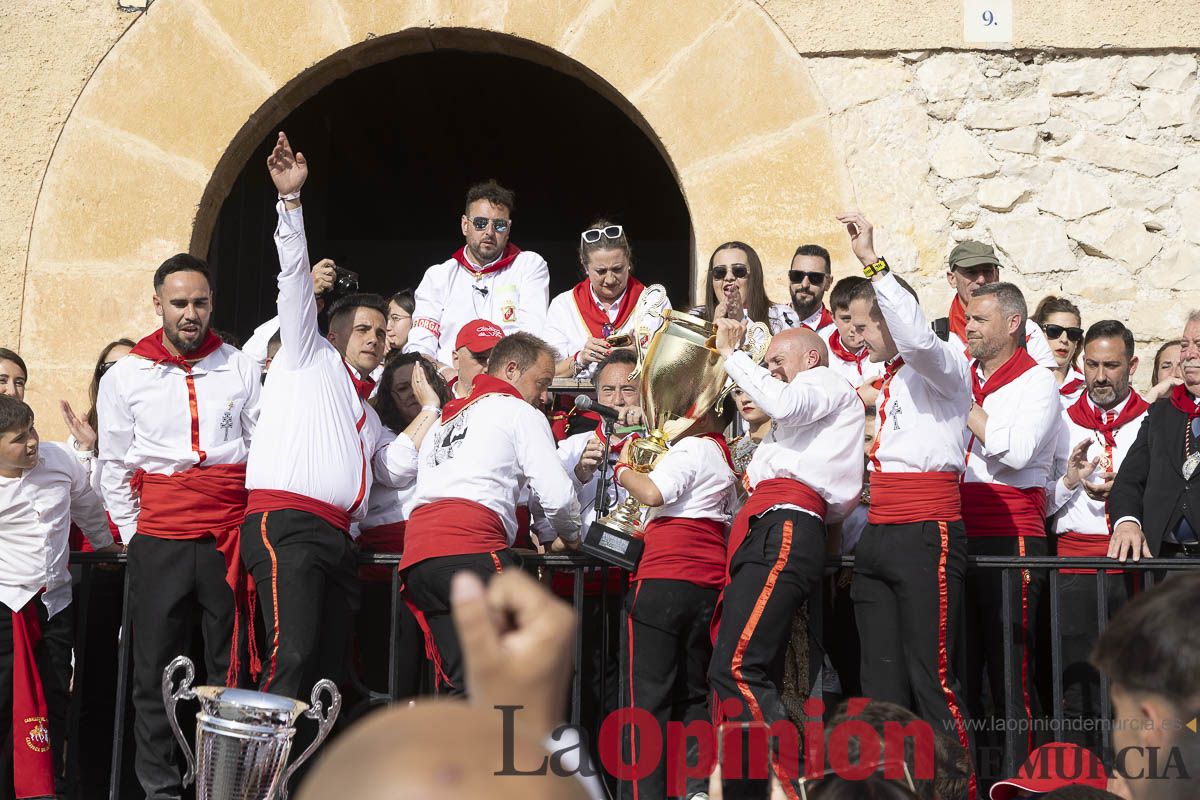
<point x="243" y="737"/>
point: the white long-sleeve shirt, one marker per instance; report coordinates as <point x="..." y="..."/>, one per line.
<point x="1022" y="433"/>
<point x="315" y="436"/>
<point x="395" y="470"/>
<point x="148" y="422"/>
<point x="36" y="510"/>
<point x="816" y="433"/>
<point x="488" y="453"/>
<point x="1073" y="509"/>
<point x="695" y="481"/>
<point x="923" y="408"/>
<point x="450" y="295"/>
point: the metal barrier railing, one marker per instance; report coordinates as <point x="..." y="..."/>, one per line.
<point x="1012" y="568"/>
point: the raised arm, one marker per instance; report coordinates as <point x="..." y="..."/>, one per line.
<point x="297" y="307"/>
<point x="799" y="400"/>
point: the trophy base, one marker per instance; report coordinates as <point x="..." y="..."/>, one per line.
<point x="612" y="546"/>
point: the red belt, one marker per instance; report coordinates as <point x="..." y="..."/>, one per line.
<point x="992" y="509"/>
<point x="1084" y="545"/>
<point x="898" y="498"/>
<point x="33" y="761"/>
<point x="678" y="548"/>
<point x="452" y="527"/>
<point x="768" y="493"/>
<point x="264" y="500"/>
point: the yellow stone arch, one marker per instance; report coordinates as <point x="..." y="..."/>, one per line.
<point x="169" y="117"/>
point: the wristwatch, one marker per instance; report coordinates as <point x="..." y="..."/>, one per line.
<point x="879" y="267"/>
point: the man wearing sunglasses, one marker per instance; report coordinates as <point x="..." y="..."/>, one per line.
<point x="974" y="264"/>
<point x="809" y="277"/>
<point x="488" y="278"/>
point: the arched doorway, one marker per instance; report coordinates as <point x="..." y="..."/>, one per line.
<point x="393" y="148"/>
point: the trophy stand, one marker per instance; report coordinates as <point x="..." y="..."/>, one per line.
<point x="618" y="546"/>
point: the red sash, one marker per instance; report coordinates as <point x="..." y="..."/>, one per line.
<point x="382" y="539"/>
<point x="898" y="498"/>
<point x="838" y="349"/>
<point x="1182" y="399"/>
<point x="1084" y="545"/>
<point x="1087" y="415"/>
<point x="768" y="493"/>
<point x="264" y="500"/>
<point x="33" y="761"/>
<point x="151" y="347"/>
<point x="596" y="320"/>
<point x="511" y="251"/>
<point x="677" y="548"/>
<point x="993" y="509"/>
<point x="958" y="319"/>
<point x="452" y="527"/>
<point x="482" y="386"/>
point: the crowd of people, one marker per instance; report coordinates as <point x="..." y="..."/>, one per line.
<point x="244" y="483"/>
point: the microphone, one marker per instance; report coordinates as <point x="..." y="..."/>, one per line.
<point x="585" y="403"/>
<point x="481" y="289"/>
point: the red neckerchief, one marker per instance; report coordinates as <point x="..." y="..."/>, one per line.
<point x="362" y="386"/>
<point x="826" y="319"/>
<point x="482" y="386"/>
<point x="838" y="349"/>
<point x="958" y="319"/>
<point x="597" y="320"/>
<point x="1182" y="399"/>
<point x="511" y="251"/>
<point x="720" y="440"/>
<point x="1009" y="371"/>
<point x="1087" y="415"/>
<point x="1072" y="384"/>
<point x="152" y="348"/>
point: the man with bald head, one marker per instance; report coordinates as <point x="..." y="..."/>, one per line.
<point x="806" y="472"/>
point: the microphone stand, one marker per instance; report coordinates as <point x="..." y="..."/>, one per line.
<point x="602" y="478"/>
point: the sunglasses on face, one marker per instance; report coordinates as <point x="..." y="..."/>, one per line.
<point x="739" y="271"/>
<point x="798" y="276"/>
<point x="592" y="235"/>
<point x="481" y="224"/>
<point x="1055" y="331"/>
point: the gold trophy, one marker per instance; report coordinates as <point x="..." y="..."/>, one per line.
<point x="683" y="377"/>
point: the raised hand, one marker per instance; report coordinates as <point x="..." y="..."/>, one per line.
<point x="729" y="335"/>
<point x="862" y="236"/>
<point x="324" y="273"/>
<point x="1079" y="468"/>
<point x="85" y="437"/>
<point x="589" y="460"/>
<point x="288" y="170"/>
<point x="421" y="388"/>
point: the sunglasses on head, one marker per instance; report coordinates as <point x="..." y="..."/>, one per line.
<point x="1055" y="331"/>
<point x="738" y="270"/>
<point x="798" y="275"/>
<point x="592" y="235"/>
<point x="481" y="224"/>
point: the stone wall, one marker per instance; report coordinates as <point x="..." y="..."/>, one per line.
<point x="1083" y="170"/>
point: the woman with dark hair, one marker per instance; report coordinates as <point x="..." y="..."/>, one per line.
<point x="1062" y="323"/>
<point x="1167" y="373"/>
<point x="584" y="325"/>
<point x="113" y="352"/>
<point x="734" y="289"/>
<point x="13" y="374"/>
<point x="410" y="397"/>
<point x="399" y="320"/>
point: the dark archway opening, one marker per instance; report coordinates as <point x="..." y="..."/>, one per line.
<point x="392" y="149"/>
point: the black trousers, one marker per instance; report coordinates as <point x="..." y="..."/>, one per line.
<point x="665" y="653"/>
<point x="53" y="657"/>
<point x="908" y="600"/>
<point x="773" y="572"/>
<point x="170" y="581"/>
<point x="1079" y="629"/>
<point x="987" y="631"/>
<point x="306" y="574"/>
<point x="427" y="587"/>
<point x="373" y="626"/>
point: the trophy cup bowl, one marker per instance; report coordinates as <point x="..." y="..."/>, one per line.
<point x="243" y="737"/>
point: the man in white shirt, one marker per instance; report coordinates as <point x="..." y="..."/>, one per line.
<point x="848" y="354"/>
<point x="42" y="488"/>
<point x="1098" y="430"/>
<point x="911" y="560"/>
<point x="176" y="417"/>
<point x="472" y="467"/>
<point x="809" y="278"/>
<point x="1011" y="435"/>
<point x="489" y="278"/>
<point x="309" y="469"/>
<point x="807" y="471"/>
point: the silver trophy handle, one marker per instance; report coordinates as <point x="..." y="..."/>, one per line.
<point x="325" y="725"/>
<point x="173" y="696"/>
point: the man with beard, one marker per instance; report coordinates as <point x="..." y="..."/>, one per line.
<point x="308" y="472"/>
<point x="1156" y="498"/>
<point x="488" y="278"/>
<point x="1103" y="423"/>
<point x="809" y="277"/>
<point x="974" y="264"/>
<point x="1012" y="432"/>
<point x="176" y="419"/>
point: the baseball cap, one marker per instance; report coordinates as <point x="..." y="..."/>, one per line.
<point x="1048" y="768"/>
<point x="478" y="336"/>
<point x="972" y="254"/>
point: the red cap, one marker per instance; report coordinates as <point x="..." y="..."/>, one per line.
<point x="1053" y="766"/>
<point x="478" y="336"/>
